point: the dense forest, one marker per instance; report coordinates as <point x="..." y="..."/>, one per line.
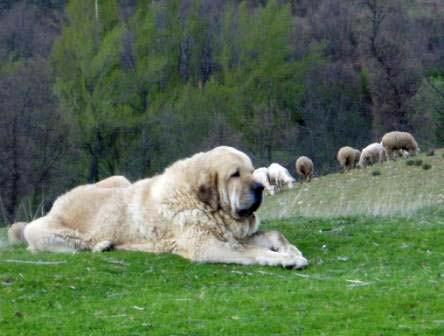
<point x="92" y="88"/>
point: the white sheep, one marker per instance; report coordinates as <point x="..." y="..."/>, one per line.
<point x="404" y="154"/>
<point x="371" y="154"/>
<point x="261" y="176"/>
<point x="280" y="177"/>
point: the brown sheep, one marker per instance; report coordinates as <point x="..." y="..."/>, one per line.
<point x="348" y="157"/>
<point x="304" y="168"/>
<point x="395" y="141"/>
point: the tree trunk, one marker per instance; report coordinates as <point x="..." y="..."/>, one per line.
<point x="15" y="176"/>
<point x="95" y="153"/>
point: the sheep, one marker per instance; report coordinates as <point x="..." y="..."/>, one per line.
<point x="371" y="154"/>
<point x="15" y="233"/>
<point x="304" y="168"/>
<point x="348" y="157"/>
<point x="280" y="177"/>
<point x="261" y="176"/>
<point x="404" y="154"/>
<point x="396" y="141"/>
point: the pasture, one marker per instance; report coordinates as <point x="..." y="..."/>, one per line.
<point x="395" y="188"/>
<point x="375" y="244"/>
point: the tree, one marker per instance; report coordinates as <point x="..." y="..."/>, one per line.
<point x="87" y="59"/>
<point x="393" y="50"/>
<point x="427" y="116"/>
<point x="33" y="134"/>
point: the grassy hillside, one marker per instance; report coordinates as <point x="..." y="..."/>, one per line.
<point x="367" y="276"/>
<point x="400" y="189"/>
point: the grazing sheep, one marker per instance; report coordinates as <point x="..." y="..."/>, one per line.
<point x="371" y="154"/>
<point x="280" y="177"/>
<point x="261" y="176"/>
<point x="395" y="141"/>
<point x="348" y="157"/>
<point x="304" y="168"/>
<point x="15" y="233"/>
<point x="403" y="154"/>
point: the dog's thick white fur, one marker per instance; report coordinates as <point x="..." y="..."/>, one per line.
<point x="16" y="230"/>
<point x="15" y="233"/>
<point x="201" y="208"/>
<point x="116" y="181"/>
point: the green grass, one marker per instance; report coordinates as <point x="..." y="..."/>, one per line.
<point x="369" y="275"/>
<point x="399" y="190"/>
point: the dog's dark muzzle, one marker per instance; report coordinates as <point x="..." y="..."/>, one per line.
<point x="256" y="192"/>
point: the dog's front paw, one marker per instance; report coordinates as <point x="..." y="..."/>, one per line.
<point x="296" y="262"/>
<point x="291" y="250"/>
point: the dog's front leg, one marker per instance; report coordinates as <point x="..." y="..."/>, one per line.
<point x="141" y="247"/>
<point x="246" y="254"/>
<point x="275" y="241"/>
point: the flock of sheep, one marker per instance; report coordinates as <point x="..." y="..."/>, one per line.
<point x="393" y="144"/>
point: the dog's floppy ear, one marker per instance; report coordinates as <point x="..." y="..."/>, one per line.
<point x="207" y="190"/>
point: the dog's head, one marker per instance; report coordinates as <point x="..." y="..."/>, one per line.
<point x="226" y="182"/>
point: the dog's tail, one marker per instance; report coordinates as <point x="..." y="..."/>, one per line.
<point x="15" y="233"/>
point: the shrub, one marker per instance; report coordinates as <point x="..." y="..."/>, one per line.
<point x="410" y="162"/>
<point x="426" y="166"/>
<point x="376" y="172"/>
<point x="418" y="162"/>
<point x="430" y="152"/>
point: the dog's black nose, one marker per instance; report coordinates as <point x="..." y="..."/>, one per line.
<point x="257" y="188"/>
<point x="256" y="199"/>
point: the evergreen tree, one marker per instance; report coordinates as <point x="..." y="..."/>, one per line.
<point x="87" y="59"/>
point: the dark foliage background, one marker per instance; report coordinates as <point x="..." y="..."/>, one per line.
<point x="90" y="88"/>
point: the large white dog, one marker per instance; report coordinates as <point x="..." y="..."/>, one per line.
<point x="201" y="208"/>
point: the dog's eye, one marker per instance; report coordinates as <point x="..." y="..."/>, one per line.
<point x="235" y="174"/>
